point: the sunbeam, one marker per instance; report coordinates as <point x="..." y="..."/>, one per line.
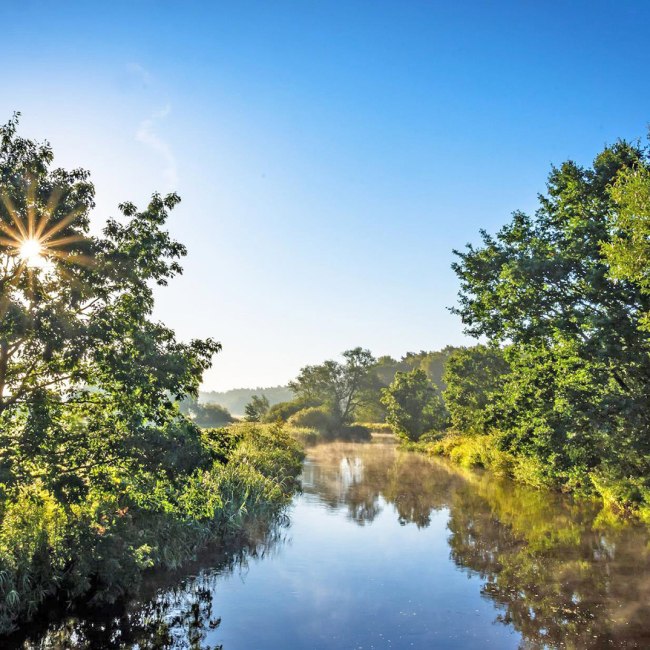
<point x="31" y="241"/>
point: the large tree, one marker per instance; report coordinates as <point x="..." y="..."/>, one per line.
<point x="257" y="408"/>
<point x="474" y="379"/>
<point x="578" y="392"/>
<point x="337" y="386"/>
<point x="88" y="381"/>
<point x="413" y="405"/>
<point x="628" y="251"/>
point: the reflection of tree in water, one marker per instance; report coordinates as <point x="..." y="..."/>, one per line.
<point x="561" y="577"/>
<point x="416" y="489"/>
<point x="350" y="475"/>
<point x="358" y="476"/>
<point x="174" y="613"/>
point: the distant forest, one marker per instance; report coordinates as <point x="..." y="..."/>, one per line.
<point x="235" y="400"/>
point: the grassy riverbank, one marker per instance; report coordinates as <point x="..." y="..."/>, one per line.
<point x="98" y="549"/>
<point x="624" y="497"/>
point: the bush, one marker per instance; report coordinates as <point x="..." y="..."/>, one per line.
<point x="282" y="411"/>
<point x="413" y="405"/>
<point x="305" y="436"/>
<point x="316" y="418"/>
<point x="98" y="548"/>
<point x="376" y="427"/>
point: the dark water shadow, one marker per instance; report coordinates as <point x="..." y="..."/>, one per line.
<point x="173" y="611"/>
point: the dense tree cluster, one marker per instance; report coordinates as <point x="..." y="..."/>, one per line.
<point x="564" y="292"/>
<point x="413" y="406"/>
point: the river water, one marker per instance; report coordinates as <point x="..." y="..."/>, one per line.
<point x="389" y="549"/>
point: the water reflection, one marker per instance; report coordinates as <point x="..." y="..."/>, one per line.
<point x="564" y="574"/>
<point x="175" y="610"/>
<point x="556" y="573"/>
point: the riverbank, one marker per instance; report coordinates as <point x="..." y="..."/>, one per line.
<point x="387" y="548"/>
<point x="96" y="551"/>
<point x="626" y="498"/>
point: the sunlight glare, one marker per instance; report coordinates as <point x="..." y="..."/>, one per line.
<point x="31" y="252"/>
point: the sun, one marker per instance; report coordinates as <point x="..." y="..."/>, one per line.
<point x="34" y="237"/>
<point x="30" y="252"/>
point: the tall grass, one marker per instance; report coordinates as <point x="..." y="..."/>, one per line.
<point x="97" y="551"/>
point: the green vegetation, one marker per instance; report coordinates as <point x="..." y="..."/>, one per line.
<point x="109" y="464"/>
<point x="205" y="415"/>
<point x="257" y="408"/>
<point x="473" y="378"/>
<point x="559" y="397"/>
<point x="344" y="400"/>
<point x="328" y="396"/>
<point x="413" y="405"/>
<point x="101" y="476"/>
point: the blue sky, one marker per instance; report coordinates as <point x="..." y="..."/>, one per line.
<point x="329" y="154"/>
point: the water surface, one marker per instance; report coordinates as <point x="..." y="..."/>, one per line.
<point x="387" y="549"/>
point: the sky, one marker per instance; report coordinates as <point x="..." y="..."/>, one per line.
<point x="330" y="155"/>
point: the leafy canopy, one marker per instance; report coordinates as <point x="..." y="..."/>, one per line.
<point x="87" y="379"/>
<point x="257" y="408"/>
<point x="337" y="386"/>
<point x="474" y="378"/>
<point x="413" y="405"/>
<point x="557" y="289"/>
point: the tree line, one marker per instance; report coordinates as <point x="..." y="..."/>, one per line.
<point x="557" y="393"/>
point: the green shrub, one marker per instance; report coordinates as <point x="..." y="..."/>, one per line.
<point x="282" y="411"/>
<point x="98" y="548"/>
<point x="304" y="435"/>
<point x="316" y="418"/>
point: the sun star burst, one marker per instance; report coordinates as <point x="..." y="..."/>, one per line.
<point x="31" y="252"/>
<point x="32" y="240"/>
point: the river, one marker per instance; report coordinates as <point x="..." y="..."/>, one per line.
<point x="389" y="549"/>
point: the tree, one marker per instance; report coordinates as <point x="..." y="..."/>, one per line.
<point x="474" y="378"/>
<point x="628" y="251"/>
<point x="337" y="386"/>
<point x="87" y="379"/>
<point x="413" y="405"/>
<point x="433" y="363"/>
<point x="576" y="399"/>
<point x="206" y="415"/>
<point x="257" y="408"/>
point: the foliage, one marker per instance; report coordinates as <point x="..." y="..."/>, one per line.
<point x="628" y="251"/>
<point x="413" y="405"/>
<point x="85" y="376"/>
<point x="564" y="290"/>
<point x="100" y="475"/>
<point x="205" y="415"/>
<point x="317" y="418"/>
<point x="383" y="372"/>
<point x="338" y="387"/>
<point x="257" y="408"/>
<point x="316" y="424"/>
<point x="474" y="378"/>
<point x="282" y="411"/>
<point x="98" y="549"/>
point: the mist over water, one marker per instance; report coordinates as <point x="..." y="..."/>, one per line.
<point x="387" y="549"/>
